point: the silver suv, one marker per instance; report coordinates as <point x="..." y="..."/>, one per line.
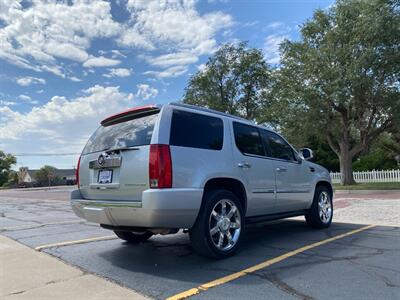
<point x="157" y="169"/>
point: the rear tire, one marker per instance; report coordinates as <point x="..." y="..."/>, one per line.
<point x="133" y="238"/>
<point x="219" y="227"/>
<point x="321" y="212"/>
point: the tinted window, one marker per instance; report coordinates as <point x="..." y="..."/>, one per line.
<point x="277" y="146"/>
<point x="196" y="131"/>
<point x="248" y="139"/>
<point x="135" y="132"/>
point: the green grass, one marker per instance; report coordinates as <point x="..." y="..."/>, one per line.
<point x="369" y="186"/>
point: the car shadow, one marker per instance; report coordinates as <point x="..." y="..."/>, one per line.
<point x="166" y="259"/>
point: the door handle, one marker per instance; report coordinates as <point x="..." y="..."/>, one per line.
<point x="244" y="164"/>
<point x="281" y="169"/>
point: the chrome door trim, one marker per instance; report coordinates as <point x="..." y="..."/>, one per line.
<point x="292" y="191"/>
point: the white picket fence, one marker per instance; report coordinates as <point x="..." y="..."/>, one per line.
<point x="371" y="176"/>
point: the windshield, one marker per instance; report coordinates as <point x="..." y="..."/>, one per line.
<point x="135" y="132"/>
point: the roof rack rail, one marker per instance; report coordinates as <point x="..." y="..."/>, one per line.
<point x="209" y="110"/>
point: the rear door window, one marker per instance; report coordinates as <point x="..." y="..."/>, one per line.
<point x="196" y="131"/>
<point x="247" y="139"/>
<point x="131" y="133"/>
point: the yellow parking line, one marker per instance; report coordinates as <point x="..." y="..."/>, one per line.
<point x="214" y="283"/>
<point x="95" y="239"/>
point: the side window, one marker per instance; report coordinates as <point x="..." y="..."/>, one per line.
<point x="277" y="146"/>
<point x="196" y="131"/>
<point x="248" y="139"/>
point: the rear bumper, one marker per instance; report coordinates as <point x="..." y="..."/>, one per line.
<point x="163" y="208"/>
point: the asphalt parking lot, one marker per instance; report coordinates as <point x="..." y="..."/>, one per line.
<point x="356" y="258"/>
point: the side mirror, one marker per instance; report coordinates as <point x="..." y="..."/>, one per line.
<point x="306" y="153"/>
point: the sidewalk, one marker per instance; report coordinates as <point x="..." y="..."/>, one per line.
<point x="28" y="274"/>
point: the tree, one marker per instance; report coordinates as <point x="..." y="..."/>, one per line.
<point x="12" y="179"/>
<point x="379" y="156"/>
<point x="46" y="175"/>
<point x="233" y="81"/>
<point x="6" y="161"/>
<point x="392" y="143"/>
<point x="341" y="80"/>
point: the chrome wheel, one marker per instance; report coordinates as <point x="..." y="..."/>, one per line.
<point x="324" y="207"/>
<point x="225" y="224"/>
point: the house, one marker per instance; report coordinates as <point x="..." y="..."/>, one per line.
<point x="60" y="176"/>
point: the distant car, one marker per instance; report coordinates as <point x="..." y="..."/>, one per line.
<point x="157" y="169"/>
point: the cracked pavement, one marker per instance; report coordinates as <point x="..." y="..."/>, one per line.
<point x="365" y="265"/>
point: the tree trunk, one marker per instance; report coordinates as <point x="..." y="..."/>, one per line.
<point x="346" y="167"/>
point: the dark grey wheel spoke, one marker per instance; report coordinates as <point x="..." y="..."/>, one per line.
<point x="231" y="212"/>
<point x="214" y="230"/>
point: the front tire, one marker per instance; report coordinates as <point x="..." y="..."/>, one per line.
<point x="219" y="227"/>
<point x="133" y="238"/>
<point x="321" y="212"/>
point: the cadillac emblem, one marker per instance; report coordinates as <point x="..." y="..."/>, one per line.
<point x="102" y="159"/>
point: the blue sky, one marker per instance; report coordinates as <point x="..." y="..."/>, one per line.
<point x="66" y="65"/>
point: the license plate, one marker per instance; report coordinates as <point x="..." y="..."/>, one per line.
<point x="105" y="176"/>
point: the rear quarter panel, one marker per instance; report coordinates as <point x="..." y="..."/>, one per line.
<point x="193" y="167"/>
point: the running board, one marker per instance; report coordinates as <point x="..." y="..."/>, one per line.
<point x="271" y="217"/>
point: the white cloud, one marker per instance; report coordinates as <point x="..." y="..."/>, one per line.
<point x="100" y="61"/>
<point x="146" y="92"/>
<point x="275" y="25"/>
<point x="28" y="99"/>
<point x="117" y="53"/>
<point x="173" y="59"/>
<point x="202" y="67"/>
<point x="174" y="71"/>
<point x="272" y="41"/>
<point x="66" y="50"/>
<point x="271" y="47"/>
<point x="36" y="35"/>
<point x="61" y="122"/>
<point x="51" y="35"/>
<point x="28" y="80"/>
<point x="176" y="26"/>
<point x="7" y="103"/>
<point x="118" y="72"/>
<point x="24" y="98"/>
<point x="76" y="79"/>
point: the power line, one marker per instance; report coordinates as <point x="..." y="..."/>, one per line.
<point x="45" y="154"/>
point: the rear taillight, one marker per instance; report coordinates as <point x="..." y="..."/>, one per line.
<point x="77" y="171"/>
<point x="160" y="167"/>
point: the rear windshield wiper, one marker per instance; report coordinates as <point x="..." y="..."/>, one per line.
<point x="120" y="149"/>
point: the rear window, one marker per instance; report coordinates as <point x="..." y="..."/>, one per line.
<point x="131" y="133"/>
<point x="247" y="139"/>
<point x="196" y="131"/>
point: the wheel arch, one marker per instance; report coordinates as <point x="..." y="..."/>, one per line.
<point x="231" y="184"/>
<point x="326" y="184"/>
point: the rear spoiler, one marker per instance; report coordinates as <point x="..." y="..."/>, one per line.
<point x="129" y="113"/>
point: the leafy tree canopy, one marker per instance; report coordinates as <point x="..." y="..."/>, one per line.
<point x="234" y="80"/>
<point x="341" y="80"/>
<point x="6" y="161"/>
<point x="45" y="175"/>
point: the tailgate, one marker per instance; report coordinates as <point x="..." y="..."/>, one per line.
<point x="114" y="164"/>
<point x="122" y="176"/>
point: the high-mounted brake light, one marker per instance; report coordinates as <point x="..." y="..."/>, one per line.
<point x="77" y="171"/>
<point x="131" y="111"/>
<point x="160" y="167"/>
